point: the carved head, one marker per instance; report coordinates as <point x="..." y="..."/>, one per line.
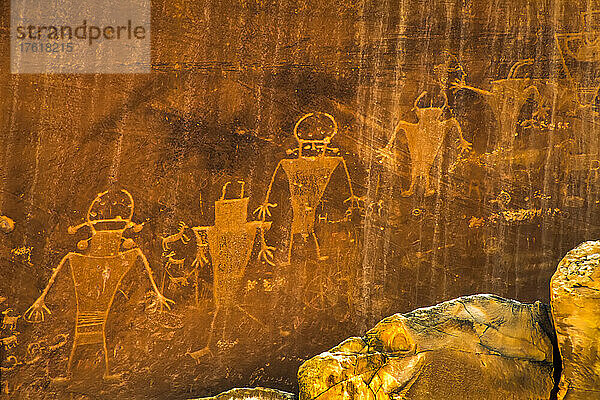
<point x="108" y="217"/>
<point x="429" y="113"/>
<point x="232" y="212"/>
<point x="314" y="132"/>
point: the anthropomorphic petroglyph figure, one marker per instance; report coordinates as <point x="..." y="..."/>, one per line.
<point x="98" y="272"/>
<point x="9" y="321"/>
<point x="425" y="140"/>
<point x="507" y="97"/>
<point x="308" y="177"/>
<point x="230" y="241"/>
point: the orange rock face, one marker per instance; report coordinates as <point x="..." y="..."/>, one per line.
<point x="575" y="302"/>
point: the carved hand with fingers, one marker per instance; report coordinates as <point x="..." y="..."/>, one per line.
<point x="163" y="301"/>
<point x="264" y="210"/>
<point x="35" y="313"/>
<point x="266" y="252"/>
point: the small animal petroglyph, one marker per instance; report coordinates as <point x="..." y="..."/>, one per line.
<point x="8" y="321"/>
<point x="11" y="341"/>
<point x="173" y="262"/>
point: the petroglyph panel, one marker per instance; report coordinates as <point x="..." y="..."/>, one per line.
<point x="301" y="170"/>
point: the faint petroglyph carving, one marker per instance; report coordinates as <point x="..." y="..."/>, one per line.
<point x="7" y="225"/>
<point x="476" y="222"/>
<point x="418" y="213"/>
<point x="580" y="173"/>
<point x="522" y="215"/>
<point x="320" y="293"/>
<point x="41" y="349"/>
<point x="507" y="97"/>
<point x="10" y="341"/>
<point x="423" y="254"/>
<point x="11" y="363"/>
<point x="329" y="286"/>
<point x="308" y="176"/>
<point x="595" y="169"/>
<point x="472" y="167"/>
<point x="9" y="321"/>
<point x="583" y="45"/>
<point x="587" y="163"/>
<point x="492" y="245"/>
<point x="97" y="274"/>
<point x="175" y="268"/>
<point x="230" y="241"/>
<point x="503" y="199"/>
<point x="451" y="70"/>
<point x="424" y="140"/>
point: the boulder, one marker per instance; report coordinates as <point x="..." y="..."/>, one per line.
<point x="475" y="347"/>
<point x="575" y="304"/>
<point x="252" y="394"/>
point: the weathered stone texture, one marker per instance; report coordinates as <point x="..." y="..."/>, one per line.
<point x="475" y="347"/>
<point x="252" y="394"/>
<point x="575" y="303"/>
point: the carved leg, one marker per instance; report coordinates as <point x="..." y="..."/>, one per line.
<point x="289" y="257"/>
<point x="70" y="362"/>
<point x="197" y="283"/>
<point x="225" y="319"/>
<point x="107" y="375"/>
<point x="413" y="179"/>
<point x="318" y="248"/>
<point x="162" y="285"/>
<point x="429" y="191"/>
<point x="199" y="354"/>
<point x="67" y="377"/>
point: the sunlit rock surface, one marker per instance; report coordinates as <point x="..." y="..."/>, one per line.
<point x="575" y="301"/>
<point x="475" y="347"/>
<point x="252" y="394"/>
